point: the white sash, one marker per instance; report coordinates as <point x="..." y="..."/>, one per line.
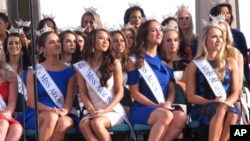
<point x="21" y="86"/>
<point x="92" y="79"/>
<point x="211" y="76"/>
<point x="151" y="80"/>
<point x="50" y="86"/>
<point x="3" y="105"/>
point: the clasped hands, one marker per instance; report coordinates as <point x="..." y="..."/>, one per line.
<point x="166" y="105"/>
<point x="6" y="114"/>
<point x="59" y="111"/>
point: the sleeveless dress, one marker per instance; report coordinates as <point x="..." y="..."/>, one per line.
<point x="4" y="92"/>
<point x="61" y="79"/>
<point x="204" y="113"/>
<point x="140" y="113"/>
<point x="98" y="103"/>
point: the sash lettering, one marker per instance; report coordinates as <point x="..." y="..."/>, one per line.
<point x="151" y="80"/>
<point x="49" y="85"/>
<point x="92" y="79"/>
<point x="211" y="76"/>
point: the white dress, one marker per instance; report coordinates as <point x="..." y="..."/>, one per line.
<point x="98" y="103"/>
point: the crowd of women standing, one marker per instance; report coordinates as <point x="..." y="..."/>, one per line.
<point x="142" y="61"/>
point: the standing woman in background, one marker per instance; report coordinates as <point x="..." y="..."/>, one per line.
<point x="4" y="26"/>
<point x="81" y="37"/>
<point x="134" y="16"/>
<point x="11" y="129"/>
<point x="186" y="31"/>
<point x="90" y="19"/>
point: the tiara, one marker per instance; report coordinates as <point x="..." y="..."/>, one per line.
<point x="214" y="2"/>
<point x="127" y="26"/>
<point x="134" y="4"/>
<point x="169" y="26"/>
<point x="182" y="7"/>
<point x="144" y="19"/>
<point x="220" y="17"/>
<point x="43" y="30"/>
<point x="90" y="9"/>
<point x="15" y="30"/>
<point x="50" y="16"/>
<point x="23" y="23"/>
<point x="168" y="15"/>
<point x="214" y="22"/>
<point x="80" y="29"/>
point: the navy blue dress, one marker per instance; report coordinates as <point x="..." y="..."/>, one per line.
<point x="204" y="113"/>
<point x="140" y="113"/>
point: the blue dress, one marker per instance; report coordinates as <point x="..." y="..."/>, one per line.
<point x="204" y="113"/>
<point x="61" y="78"/>
<point x="140" y="113"/>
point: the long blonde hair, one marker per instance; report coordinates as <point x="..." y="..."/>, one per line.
<point x="202" y="51"/>
<point x="4" y="73"/>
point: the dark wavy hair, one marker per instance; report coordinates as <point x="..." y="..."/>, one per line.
<point x="107" y="67"/>
<point x="142" y="42"/>
<point x="216" y="10"/>
<point x="25" y="61"/>
<point x="130" y="10"/>
<point x="76" y="56"/>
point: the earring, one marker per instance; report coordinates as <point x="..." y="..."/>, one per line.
<point x="44" y="54"/>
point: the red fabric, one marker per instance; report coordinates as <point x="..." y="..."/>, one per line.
<point x="4" y="90"/>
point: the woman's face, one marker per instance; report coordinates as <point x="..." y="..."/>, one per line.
<point x="171" y="41"/>
<point x="135" y="18"/>
<point x="14" y="46"/>
<point x="184" y="19"/>
<point x="225" y="11"/>
<point x="88" y="23"/>
<point x="155" y="33"/>
<point x="102" y="41"/>
<point x="130" y="37"/>
<point x="118" y="43"/>
<point x="69" y="43"/>
<point x="52" y="45"/>
<point x="214" y="39"/>
<point x="80" y="41"/>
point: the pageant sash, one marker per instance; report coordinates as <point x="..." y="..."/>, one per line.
<point x="151" y="80"/>
<point x="21" y="86"/>
<point x="49" y="85"/>
<point x="3" y="105"/>
<point x="211" y="76"/>
<point x="93" y="80"/>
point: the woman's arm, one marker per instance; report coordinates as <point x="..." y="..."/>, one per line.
<point x="71" y="93"/>
<point x="234" y="93"/>
<point x="30" y="91"/>
<point x="191" y="85"/>
<point x="134" y="89"/>
<point x="171" y="92"/>
<point x="13" y="92"/>
<point x="118" y="82"/>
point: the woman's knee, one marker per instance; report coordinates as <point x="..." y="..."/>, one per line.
<point x="221" y="109"/>
<point x="64" y="123"/>
<point x="4" y="124"/>
<point x="48" y="118"/>
<point x="161" y="115"/>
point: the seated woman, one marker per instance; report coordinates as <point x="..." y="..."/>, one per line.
<point x="54" y="100"/>
<point x="101" y="87"/>
<point x="11" y="129"/>
<point x="152" y="86"/>
<point x="174" y="56"/>
<point x="212" y="85"/>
